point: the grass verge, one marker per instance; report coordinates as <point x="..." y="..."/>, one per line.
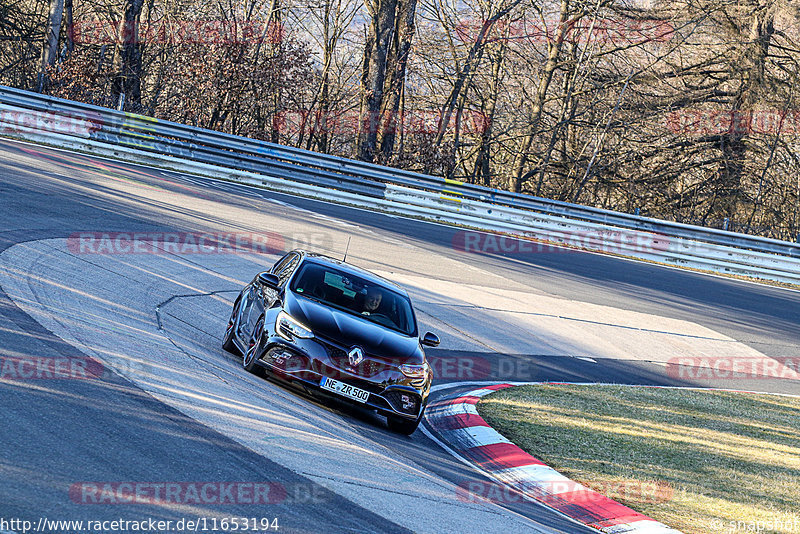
<point x="723" y="462"/>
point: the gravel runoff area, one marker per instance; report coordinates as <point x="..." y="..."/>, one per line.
<point x="700" y="461"/>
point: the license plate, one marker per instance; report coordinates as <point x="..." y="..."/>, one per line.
<point x="343" y="389"/>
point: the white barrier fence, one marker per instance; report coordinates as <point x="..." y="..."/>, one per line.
<point x="76" y="131"/>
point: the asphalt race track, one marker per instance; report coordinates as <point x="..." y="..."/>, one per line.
<point x="161" y="403"/>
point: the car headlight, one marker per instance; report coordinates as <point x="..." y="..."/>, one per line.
<point x="415" y="371"/>
<point x="287" y="326"/>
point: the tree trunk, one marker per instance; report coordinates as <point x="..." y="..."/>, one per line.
<point x="324" y="92"/>
<point x="483" y="171"/>
<point x="70" y="26"/>
<point x="373" y="75"/>
<point x="128" y="61"/>
<point x="465" y="74"/>
<point x="553" y="53"/>
<point x="397" y="63"/>
<point x="50" y="50"/>
<point x="733" y="142"/>
<point x="320" y="123"/>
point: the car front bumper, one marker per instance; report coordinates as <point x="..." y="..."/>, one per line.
<point x="307" y="361"/>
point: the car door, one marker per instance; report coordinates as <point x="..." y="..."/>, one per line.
<point x="251" y="309"/>
<point x="263" y="297"/>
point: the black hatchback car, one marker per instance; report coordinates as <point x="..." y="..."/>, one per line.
<point x="335" y="329"/>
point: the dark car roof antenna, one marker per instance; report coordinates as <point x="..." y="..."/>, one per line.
<point x="346" y="249"/>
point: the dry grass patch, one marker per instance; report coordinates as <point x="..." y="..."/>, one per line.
<point x="723" y="457"/>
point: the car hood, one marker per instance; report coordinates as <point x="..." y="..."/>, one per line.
<point x="350" y="330"/>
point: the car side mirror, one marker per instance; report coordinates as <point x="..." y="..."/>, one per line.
<point x="430" y="339"/>
<point x="269" y="280"/>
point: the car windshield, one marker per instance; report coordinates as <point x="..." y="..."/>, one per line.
<point x="365" y="298"/>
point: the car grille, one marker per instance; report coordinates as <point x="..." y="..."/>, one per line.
<point x="367" y="368"/>
<point x="403" y="401"/>
<point x="335" y="352"/>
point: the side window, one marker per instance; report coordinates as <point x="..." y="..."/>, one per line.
<point x="281" y="263"/>
<point x="285" y="270"/>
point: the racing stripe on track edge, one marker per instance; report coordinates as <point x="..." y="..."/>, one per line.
<point x="456" y="420"/>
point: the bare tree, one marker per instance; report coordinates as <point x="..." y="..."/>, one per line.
<point x="376" y="50"/>
<point x="680" y="109"/>
<point x="50" y="49"/>
<point x="537" y="102"/>
<point x="395" y="82"/>
<point x="129" y="57"/>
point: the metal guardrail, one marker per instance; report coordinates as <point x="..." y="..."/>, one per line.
<point x="446" y="200"/>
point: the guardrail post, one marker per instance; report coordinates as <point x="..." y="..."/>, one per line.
<point x="121" y="104"/>
<point x="725" y="223"/>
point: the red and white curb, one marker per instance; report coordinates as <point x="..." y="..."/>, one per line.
<point x="456" y="420"/>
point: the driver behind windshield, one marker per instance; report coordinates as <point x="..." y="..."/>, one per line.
<point x="372" y="300"/>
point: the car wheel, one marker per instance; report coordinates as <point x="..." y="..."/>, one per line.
<point x="402" y="425"/>
<point x="250" y="357"/>
<point x="227" y="342"/>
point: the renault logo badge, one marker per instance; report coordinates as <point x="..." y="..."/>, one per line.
<point x="355" y="356"/>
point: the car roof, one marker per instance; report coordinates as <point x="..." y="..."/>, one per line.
<point x="322" y="259"/>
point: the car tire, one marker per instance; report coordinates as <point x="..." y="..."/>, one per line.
<point x="227" y="341"/>
<point x="250" y="357"/>
<point x="402" y="425"/>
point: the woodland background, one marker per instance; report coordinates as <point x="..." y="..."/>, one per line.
<point x="681" y="110"/>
